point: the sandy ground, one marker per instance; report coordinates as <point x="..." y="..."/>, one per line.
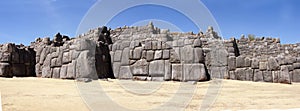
<point x="36" y="94"/>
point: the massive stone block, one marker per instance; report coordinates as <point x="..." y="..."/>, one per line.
<point x="194" y="72"/>
<point x="117" y="56"/>
<point x="263" y="66"/>
<point x="231" y="63"/>
<point x="187" y="54"/>
<point x="268" y="77"/>
<point x="125" y="73"/>
<point x="275" y="75"/>
<point x="168" y="70"/>
<point x="255" y="63"/>
<point x="63" y="72"/>
<point x="71" y="70"/>
<point x="125" y="57"/>
<point x="199" y="55"/>
<point x="258" y="76"/>
<point x="177" y="72"/>
<point x="56" y="73"/>
<point x="150" y="55"/>
<point x="166" y="54"/>
<point x="240" y="74"/>
<point x="240" y="61"/>
<point x="218" y="72"/>
<point x="296" y="75"/>
<point x="249" y="74"/>
<point x="5" y="70"/>
<point x="116" y="69"/>
<point x="137" y="53"/>
<point x="157" y="68"/>
<point x="158" y="54"/>
<point x="140" y="68"/>
<point x="85" y="65"/>
<point x="284" y="76"/>
<point x="273" y="64"/>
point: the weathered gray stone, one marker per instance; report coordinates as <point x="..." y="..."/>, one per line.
<point x="137" y="53"/>
<point x="296" y="65"/>
<point x="255" y="63"/>
<point x="284" y="76"/>
<point x="125" y="57"/>
<point x="218" y="57"/>
<point x="263" y="66"/>
<point x="281" y="60"/>
<point x="157" y="68"/>
<point x="296" y="75"/>
<point x="148" y="45"/>
<point x="218" y="72"/>
<point x="249" y="74"/>
<point x="247" y="62"/>
<point x="180" y="43"/>
<point x="125" y="73"/>
<point x="74" y="54"/>
<point x="258" y="76"/>
<point x="240" y="61"/>
<point x="140" y="68"/>
<point x="5" y="70"/>
<point x="168" y="71"/>
<point x="159" y="45"/>
<point x="187" y="54"/>
<point x="177" y="72"/>
<point x="188" y="41"/>
<point x="158" y="54"/>
<point x="290" y="67"/>
<point x="154" y="45"/>
<point x="275" y="76"/>
<point x="85" y="65"/>
<point x="84" y="44"/>
<point x="166" y="54"/>
<point x="44" y="54"/>
<point x="240" y="74"/>
<point x="267" y="76"/>
<point x="232" y="75"/>
<point x="272" y="64"/>
<point x="231" y="50"/>
<point x="46" y="72"/>
<point x="231" y="63"/>
<point x="71" y="70"/>
<point x="117" y="56"/>
<point x="63" y="71"/>
<point x="124" y="44"/>
<point x="150" y="55"/>
<point x="197" y="43"/>
<point x="199" y="55"/>
<point x="66" y="58"/>
<point x="157" y="78"/>
<point x="290" y="60"/>
<point x="174" y="57"/>
<point x="56" y="73"/>
<point x="194" y="72"/>
<point x="116" y="69"/>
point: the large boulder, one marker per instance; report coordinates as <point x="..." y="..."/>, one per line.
<point x="5" y="70"/>
<point x="194" y="72"/>
<point x="284" y="76"/>
<point x="85" y="63"/>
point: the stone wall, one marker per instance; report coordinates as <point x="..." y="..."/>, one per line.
<point x="150" y="53"/>
<point x="16" y="60"/>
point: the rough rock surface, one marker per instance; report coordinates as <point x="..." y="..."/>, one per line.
<point x="153" y="54"/>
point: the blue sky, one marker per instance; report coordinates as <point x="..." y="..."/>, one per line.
<point x="24" y="20"/>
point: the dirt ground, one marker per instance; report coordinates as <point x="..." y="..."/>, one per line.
<point x="40" y="94"/>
